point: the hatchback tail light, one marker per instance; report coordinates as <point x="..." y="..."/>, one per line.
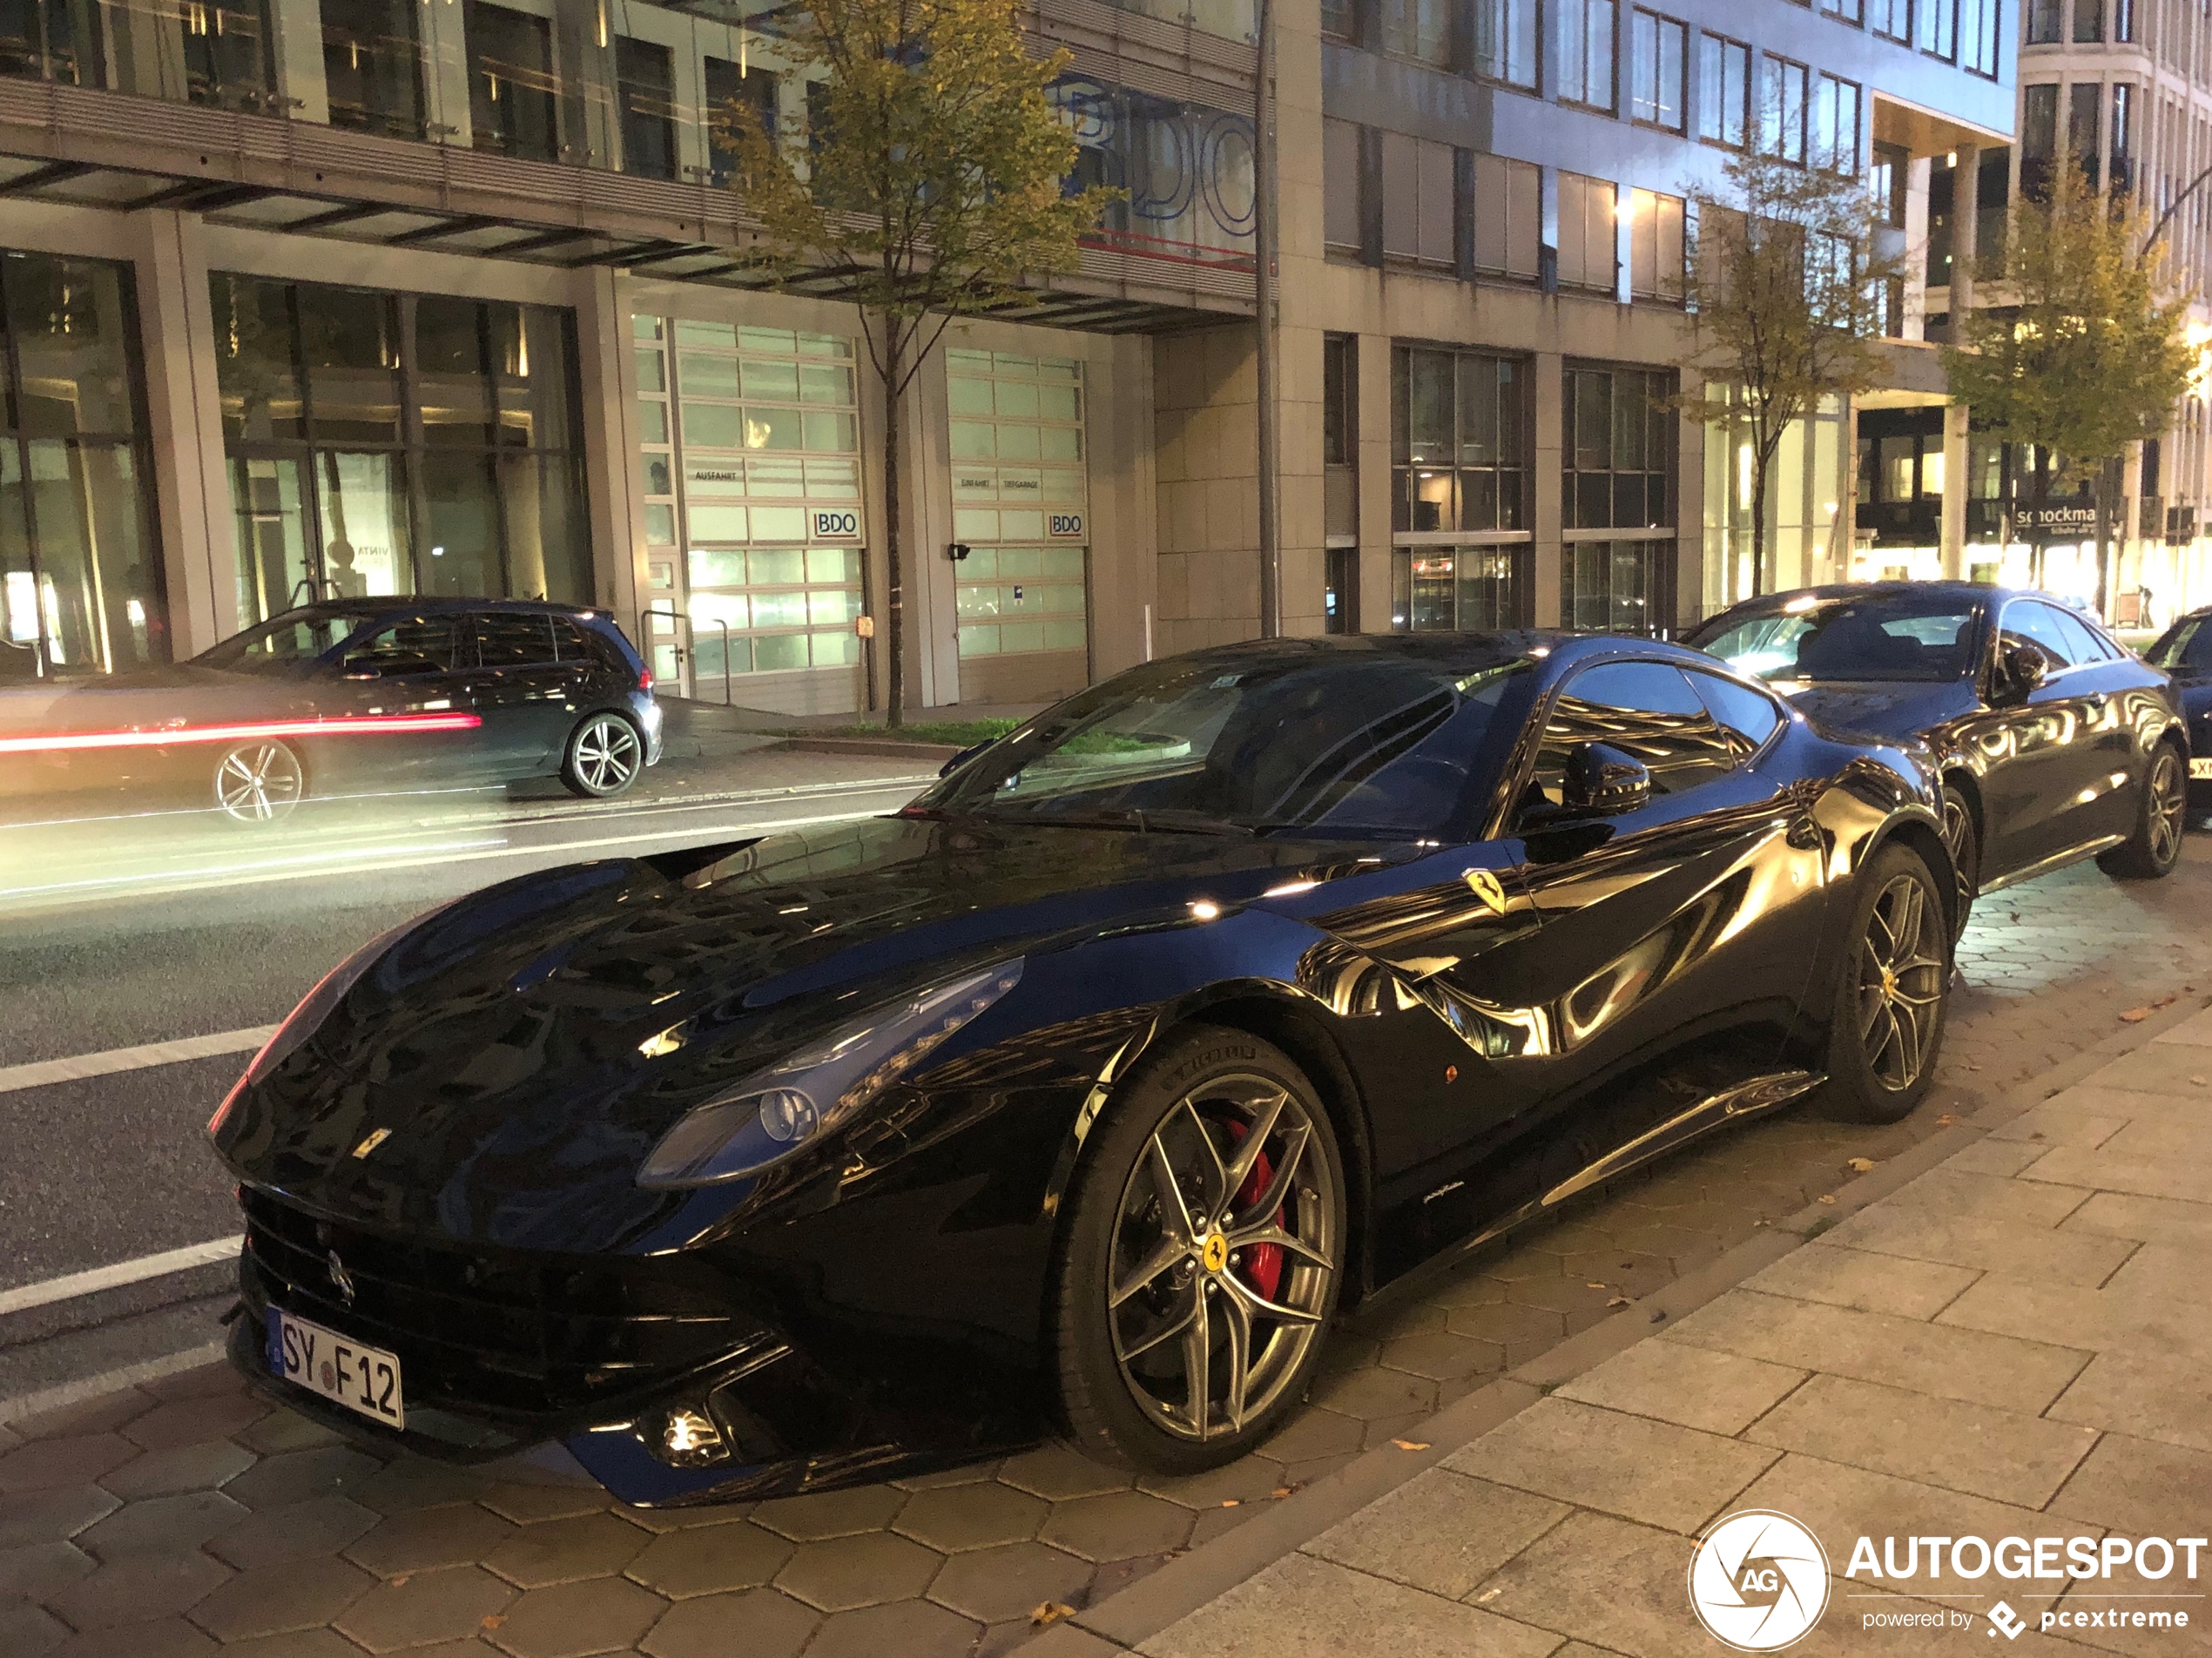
<point x="644" y="679"/>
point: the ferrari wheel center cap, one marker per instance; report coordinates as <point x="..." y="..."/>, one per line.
<point x="1215" y="1252"/>
<point x="1889" y="981"/>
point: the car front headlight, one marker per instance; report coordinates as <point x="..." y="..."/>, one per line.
<point x="315" y="1007"/>
<point x="774" y="1112"/>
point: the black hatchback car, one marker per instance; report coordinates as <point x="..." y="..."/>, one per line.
<point x="2185" y="651"/>
<point x="358" y="695"/>
<point x="2055" y="742"/>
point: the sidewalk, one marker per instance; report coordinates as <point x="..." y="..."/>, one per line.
<point x="2015" y="1343"/>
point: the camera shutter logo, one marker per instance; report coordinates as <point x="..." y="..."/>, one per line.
<point x="1758" y="1580"/>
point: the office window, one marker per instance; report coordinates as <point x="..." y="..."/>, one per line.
<point x="56" y="40"/>
<point x="729" y="85"/>
<point x="1979" y="21"/>
<point x="2044" y="20"/>
<point x="2122" y="145"/>
<point x="1339" y="19"/>
<point x="1460" y="589"/>
<point x="1419" y="29"/>
<point x="645" y="87"/>
<point x="1340" y="590"/>
<point x="1619" y="459"/>
<point x="1892" y="19"/>
<point x="1617" y="586"/>
<point x="1343" y="188"/>
<point x="512" y="91"/>
<point x="1656" y="246"/>
<point x="227" y="57"/>
<point x="2088" y="22"/>
<point x="1339" y="440"/>
<point x="2084" y="116"/>
<point x="1459" y="441"/>
<point x="1586" y="52"/>
<point x="1508" y="217"/>
<point x="1724" y="89"/>
<point x="1782" y="107"/>
<point x="1504" y="41"/>
<point x="1939" y="27"/>
<point x="372" y="66"/>
<point x="1655" y="69"/>
<point x="1849" y="11"/>
<point x="1586" y="243"/>
<point x="1418" y="219"/>
<point x="2123" y="28"/>
<point x="1835" y="125"/>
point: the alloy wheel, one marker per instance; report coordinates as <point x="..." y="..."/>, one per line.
<point x="1223" y="1254"/>
<point x="1901" y="985"/>
<point x="2170" y="806"/>
<point x="606" y="754"/>
<point x="258" y="782"/>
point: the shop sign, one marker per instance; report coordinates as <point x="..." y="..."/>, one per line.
<point x="2056" y="518"/>
<point x="1065" y="526"/>
<point x="836" y="523"/>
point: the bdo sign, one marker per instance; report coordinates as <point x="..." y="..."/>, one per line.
<point x="836" y="523"/>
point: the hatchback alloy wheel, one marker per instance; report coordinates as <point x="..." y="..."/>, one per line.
<point x="1224" y="1257"/>
<point x="604" y="756"/>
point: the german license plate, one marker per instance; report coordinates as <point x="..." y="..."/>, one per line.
<point x="363" y="1379"/>
<point x="2201" y="768"/>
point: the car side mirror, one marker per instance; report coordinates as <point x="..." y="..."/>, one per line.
<point x="2020" y="669"/>
<point x="1602" y="781"/>
<point x="963" y="758"/>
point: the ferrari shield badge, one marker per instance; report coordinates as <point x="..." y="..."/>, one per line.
<point x="1484" y="887"/>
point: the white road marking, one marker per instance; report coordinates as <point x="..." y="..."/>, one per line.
<point x="41" y="1073"/>
<point x="113" y="1381"/>
<point x="119" y="1273"/>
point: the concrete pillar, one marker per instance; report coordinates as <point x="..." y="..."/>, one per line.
<point x="297" y="54"/>
<point x="606" y="373"/>
<point x="1549" y="459"/>
<point x="1372" y="461"/>
<point x="1965" y="233"/>
<point x="1916" y="250"/>
<point x="1952" y="544"/>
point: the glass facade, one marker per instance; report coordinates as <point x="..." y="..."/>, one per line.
<point x="1020" y="501"/>
<point x="398" y="443"/>
<point x="80" y="581"/>
<point x="750" y="458"/>
<point x="1458" y="589"/>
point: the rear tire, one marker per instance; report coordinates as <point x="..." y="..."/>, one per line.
<point x="2162" y="817"/>
<point x="1196" y="1280"/>
<point x="603" y="757"/>
<point x="258" y="781"/>
<point x="1892" y="994"/>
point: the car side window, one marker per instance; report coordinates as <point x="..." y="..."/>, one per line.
<point x="2084" y="644"/>
<point x="506" y="639"/>
<point x="2035" y="626"/>
<point x="1747" y="717"/>
<point x="1645" y="709"/>
<point x="2196" y="652"/>
<point x="418" y="645"/>
<point x="569" y="643"/>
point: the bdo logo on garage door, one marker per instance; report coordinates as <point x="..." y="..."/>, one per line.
<point x="837" y="523"/>
<point x="1066" y="526"/>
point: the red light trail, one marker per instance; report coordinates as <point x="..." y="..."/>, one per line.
<point x="171" y="736"/>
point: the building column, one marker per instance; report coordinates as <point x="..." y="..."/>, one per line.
<point x="1550" y="459"/>
<point x="1953" y="541"/>
<point x="1371" y="437"/>
<point x="606" y="376"/>
<point x="1915" y="323"/>
<point x="1965" y="233"/>
<point x="298" y="60"/>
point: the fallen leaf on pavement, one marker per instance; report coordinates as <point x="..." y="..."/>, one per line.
<point x="1946" y="1120"/>
<point x="1827" y="1197"/>
<point x="493" y="1620"/>
<point x="1859" y="1165"/>
<point x="2196" y="1082"/>
<point x="1051" y="1612"/>
<point x="399" y="1582"/>
<point x="2134" y="1015"/>
<point x="1595" y="1284"/>
<point x="1282" y="1491"/>
<point x="1618" y="1301"/>
<point x="1231" y="1502"/>
<point x="1411" y="1444"/>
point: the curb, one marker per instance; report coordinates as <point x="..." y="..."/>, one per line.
<point x="1132" y="1615"/>
<point x="934" y="754"/>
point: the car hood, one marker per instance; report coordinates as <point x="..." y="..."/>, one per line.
<point x="1890" y="709"/>
<point x="524" y="1048"/>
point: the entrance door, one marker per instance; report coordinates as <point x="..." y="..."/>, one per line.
<point x="269" y="499"/>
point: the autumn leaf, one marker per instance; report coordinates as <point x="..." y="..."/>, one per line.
<point x="1595" y="1284"/>
<point x="1859" y="1165"/>
<point x="1281" y="1491"/>
<point x="1232" y="1502"/>
<point x="1827" y="1197"/>
<point x="1411" y="1444"/>
<point x="1050" y="1612"/>
<point x="2196" y="1082"/>
<point x="2134" y="1015"/>
<point x="1618" y="1301"/>
<point x="493" y="1620"/>
<point x="1945" y="1121"/>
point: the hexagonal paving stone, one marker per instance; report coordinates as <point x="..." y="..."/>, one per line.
<point x="992" y="1585"/>
<point x="313" y="1643"/>
<point x="412" y="1611"/>
<point x="759" y="1623"/>
<point x="271" y="1599"/>
<point x="1441" y="1356"/>
<point x="564" y="1551"/>
<point x="52" y="1515"/>
<point x="296" y="1532"/>
<point x="191" y="1420"/>
<point x="1058" y="1472"/>
<point x="1379" y="1392"/>
<point x="831" y="1514"/>
<point x="182" y="1521"/>
<point x="1312" y="1433"/>
<point x="202" y="1466"/>
<point x="1246" y="1480"/>
<point x="37" y="1570"/>
<point x="102" y="1414"/>
<point x="199" y="1382"/>
<point x="72" y="1460"/>
<point x="424" y="1539"/>
<point x="958" y="1517"/>
<point x="27" y="1631"/>
<point x="599" y="1614"/>
<point x="139" y="1588"/>
<point x="1117" y="1525"/>
<point x="911" y="1629"/>
<point x="842" y="1573"/>
<point x="294" y="1476"/>
<point x="711" y="1559"/>
<point x="162" y="1638"/>
<point x="1509" y="1324"/>
<point x="528" y="1504"/>
<point x="281" y="1431"/>
<point x="417" y="1482"/>
<point x="966" y="1475"/>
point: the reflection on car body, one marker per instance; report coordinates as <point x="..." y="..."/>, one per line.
<point x="1079" y="1095"/>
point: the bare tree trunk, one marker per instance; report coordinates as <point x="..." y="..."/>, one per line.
<point x="2104" y="538"/>
<point x="894" y="714"/>
<point x="1761" y="460"/>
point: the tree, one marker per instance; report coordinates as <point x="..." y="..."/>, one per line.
<point x="929" y="181"/>
<point x="1787" y="288"/>
<point x="2092" y="353"/>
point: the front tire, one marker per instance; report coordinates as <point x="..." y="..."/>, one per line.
<point x="603" y="757"/>
<point x="2162" y="817"/>
<point x="258" y="781"/>
<point x="1203" y="1254"/>
<point x="1893" y="995"/>
<point x="1962" y="839"/>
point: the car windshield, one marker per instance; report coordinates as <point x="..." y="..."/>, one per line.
<point x="1914" y="637"/>
<point x="296" y="636"/>
<point x="1383" y="742"/>
<point x="2186" y="646"/>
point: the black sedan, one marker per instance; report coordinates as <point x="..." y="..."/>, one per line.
<point x="348" y="696"/>
<point x="2055" y="742"/>
<point x="1079" y="1095"/>
<point x="2185" y="651"/>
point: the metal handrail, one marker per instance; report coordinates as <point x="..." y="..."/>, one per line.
<point x="727" y="700"/>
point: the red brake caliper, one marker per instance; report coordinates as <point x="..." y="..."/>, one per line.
<point x="1262" y="1263"/>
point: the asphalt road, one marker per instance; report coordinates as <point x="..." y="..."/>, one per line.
<point x="118" y="929"/>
